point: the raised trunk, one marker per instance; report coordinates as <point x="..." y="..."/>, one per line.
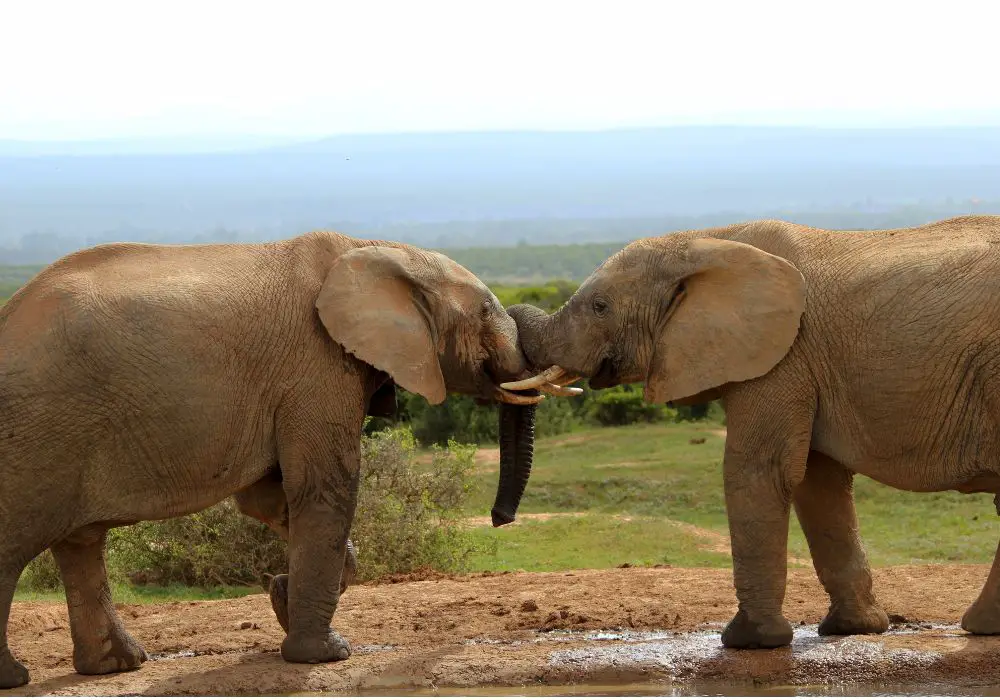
<point x="517" y="449"/>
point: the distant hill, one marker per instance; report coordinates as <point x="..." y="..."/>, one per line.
<point x="492" y="189"/>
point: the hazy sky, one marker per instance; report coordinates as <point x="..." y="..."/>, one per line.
<point x="102" y="68"/>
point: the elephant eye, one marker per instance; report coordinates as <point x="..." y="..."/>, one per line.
<point x="486" y="309"/>
<point x="600" y="306"/>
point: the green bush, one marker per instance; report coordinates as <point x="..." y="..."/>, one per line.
<point x="408" y="512"/>
<point x="461" y="418"/>
<point x="406" y="519"/>
<point x="623" y="405"/>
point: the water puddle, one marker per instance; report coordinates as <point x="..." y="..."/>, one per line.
<point x="701" y="688"/>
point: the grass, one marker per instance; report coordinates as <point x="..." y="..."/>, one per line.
<point x="654" y="475"/>
<point x="131" y="595"/>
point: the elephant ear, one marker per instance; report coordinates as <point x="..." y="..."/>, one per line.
<point x="374" y="304"/>
<point x="736" y="318"/>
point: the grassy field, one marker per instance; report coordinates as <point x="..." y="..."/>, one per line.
<point x="646" y="495"/>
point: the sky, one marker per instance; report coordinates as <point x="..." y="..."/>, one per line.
<point x="104" y="69"/>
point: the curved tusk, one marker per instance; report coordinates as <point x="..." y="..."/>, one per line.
<point x="557" y="390"/>
<point x="547" y="377"/>
<point x="517" y="399"/>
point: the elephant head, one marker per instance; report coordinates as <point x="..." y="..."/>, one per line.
<point x="435" y="328"/>
<point x="686" y="315"/>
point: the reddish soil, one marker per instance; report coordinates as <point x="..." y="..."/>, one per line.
<point x="527" y="629"/>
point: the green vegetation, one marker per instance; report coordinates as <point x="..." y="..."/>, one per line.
<point x="635" y="484"/>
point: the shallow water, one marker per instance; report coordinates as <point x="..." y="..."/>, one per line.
<point x="698" y="663"/>
<point x="694" y="689"/>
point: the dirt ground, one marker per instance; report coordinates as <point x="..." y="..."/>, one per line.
<point x="612" y="627"/>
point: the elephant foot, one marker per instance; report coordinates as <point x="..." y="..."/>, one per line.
<point x="13" y="674"/>
<point x="315" y="649"/>
<point x="120" y="653"/>
<point x="842" y="621"/>
<point x="278" y="591"/>
<point x="982" y="618"/>
<point x="744" y="632"/>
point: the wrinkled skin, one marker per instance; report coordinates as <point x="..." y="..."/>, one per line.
<point x="835" y="354"/>
<point x="144" y="382"/>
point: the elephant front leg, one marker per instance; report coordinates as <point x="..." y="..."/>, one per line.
<point x="265" y="501"/>
<point x="983" y="616"/>
<point x="278" y="588"/>
<point x="758" y="501"/>
<point x="824" y="504"/>
<point x="322" y="495"/>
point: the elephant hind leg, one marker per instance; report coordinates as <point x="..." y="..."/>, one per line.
<point x="824" y="505"/>
<point x="265" y="500"/>
<point x="12" y="673"/>
<point x="100" y="642"/>
<point x="983" y="616"/>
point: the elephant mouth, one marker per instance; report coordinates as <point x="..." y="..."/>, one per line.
<point x="606" y="376"/>
<point x="491" y="392"/>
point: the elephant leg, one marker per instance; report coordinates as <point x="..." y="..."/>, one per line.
<point x="983" y="616"/>
<point x="765" y="459"/>
<point x="100" y="642"/>
<point x="278" y="589"/>
<point x="824" y="504"/>
<point x="321" y="473"/>
<point x="13" y="674"/>
<point x="265" y="501"/>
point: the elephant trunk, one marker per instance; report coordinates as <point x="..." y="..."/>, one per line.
<point x="534" y="330"/>
<point x="517" y="447"/>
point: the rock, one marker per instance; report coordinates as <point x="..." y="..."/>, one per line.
<point x="529" y="606"/>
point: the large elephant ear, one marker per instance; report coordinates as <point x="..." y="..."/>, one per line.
<point x="736" y="318"/>
<point x="374" y="304"/>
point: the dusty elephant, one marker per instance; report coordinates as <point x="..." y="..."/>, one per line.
<point x="143" y="382"/>
<point x="835" y="353"/>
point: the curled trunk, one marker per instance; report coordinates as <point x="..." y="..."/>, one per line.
<point x="534" y="333"/>
<point x="517" y="448"/>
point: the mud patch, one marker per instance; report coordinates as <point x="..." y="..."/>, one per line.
<point x="570" y="632"/>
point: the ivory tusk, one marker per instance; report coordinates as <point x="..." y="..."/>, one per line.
<point x="557" y="390"/>
<point x="517" y="399"/>
<point x="548" y="376"/>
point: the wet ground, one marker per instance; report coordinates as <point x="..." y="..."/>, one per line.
<point x="623" y="631"/>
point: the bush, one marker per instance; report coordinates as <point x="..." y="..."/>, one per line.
<point x="406" y="519"/>
<point x="461" y="418"/>
<point x="623" y="405"/>
<point x="408" y="511"/>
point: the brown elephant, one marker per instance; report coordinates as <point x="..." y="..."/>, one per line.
<point x="143" y="382"/>
<point x="834" y="353"/>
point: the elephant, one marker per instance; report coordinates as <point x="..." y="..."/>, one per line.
<point x="834" y="353"/>
<point x="145" y="381"/>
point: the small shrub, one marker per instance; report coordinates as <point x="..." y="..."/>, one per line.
<point x="624" y="405"/>
<point x="218" y="546"/>
<point x="461" y="418"/>
<point x="408" y="512"/>
<point x="41" y="574"/>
